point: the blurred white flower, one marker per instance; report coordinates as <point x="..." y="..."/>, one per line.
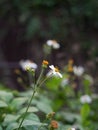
<point x="64" y="82"/>
<point x="85" y="99"/>
<point x="53" y="44"/>
<point x="54" y="71"/>
<point x="27" y="64"/>
<point x="78" y="70"/>
<point x="73" y="129"/>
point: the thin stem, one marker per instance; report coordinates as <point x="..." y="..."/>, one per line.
<point x="30" y="78"/>
<point x="27" y="109"/>
<point x="43" y="81"/>
<point x="35" y="89"/>
<point x="42" y="71"/>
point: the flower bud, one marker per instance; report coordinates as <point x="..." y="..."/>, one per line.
<point x="53" y="125"/>
<point x="45" y="63"/>
<point x="50" y="115"/>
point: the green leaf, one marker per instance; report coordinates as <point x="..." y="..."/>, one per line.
<point x="31" y="127"/>
<point x="31" y="109"/>
<point x="64" y="127"/>
<point x="34" y="128"/>
<point x="10" y="118"/>
<point x="85" y="111"/>
<point x="6" y="96"/>
<point x="3" y="104"/>
<point x="44" y="107"/>
<point x="53" y="83"/>
<point x="87" y="82"/>
<point x="31" y="122"/>
<point x="70" y="117"/>
<point x="12" y="126"/>
<point x="1" y="128"/>
<point x="18" y="102"/>
<point x="33" y="117"/>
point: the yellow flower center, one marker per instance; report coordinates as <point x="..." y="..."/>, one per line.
<point x="54" y="41"/>
<point x="27" y="68"/>
<point x="56" y="69"/>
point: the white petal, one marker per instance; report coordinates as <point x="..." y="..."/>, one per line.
<point x="49" y="73"/>
<point x="78" y="70"/>
<point x="59" y="74"/>
<point x="49" y="42"/>
<point x="85" y="99"/>
<point x="52" y="67"/>
<point x="27" y="64"/>
<point x="56" y="45"/>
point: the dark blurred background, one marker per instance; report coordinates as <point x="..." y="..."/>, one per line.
<point x="25" y="25"/>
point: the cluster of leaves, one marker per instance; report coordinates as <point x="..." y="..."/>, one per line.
<point x="56" y="95"/>
<point x="13" y="105"/>
<point x="68" y="106"/>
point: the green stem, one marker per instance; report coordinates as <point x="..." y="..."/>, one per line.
<point x="27" y="109"/>
<point x="42" y="71"/>
<point x="35" y="89"/>
<point x="43" y="81"/>
<point x="30" y="79"/>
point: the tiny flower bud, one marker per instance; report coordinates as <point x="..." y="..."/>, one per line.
<point x="56" y="69"/>
<point x="19" y="80"/>
<point x="45" y="63"/>
<point x="70" y="68"/>
<point x="54" y="124"/>
<point x="17" y="71"/>
<point x="50" y="115"/>
<point x="70" y="62"/>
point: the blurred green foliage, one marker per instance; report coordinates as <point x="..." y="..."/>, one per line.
<point x="53" y="18"/>
<point x="34" y="21"/>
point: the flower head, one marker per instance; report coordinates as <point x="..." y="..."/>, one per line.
<point x="54" y="124"/>
<point x="70" y="68"/>
<point x="50" y="115"/>
<point x="72" y="128"/>
<point x="71" y="61"/>
<point x="85" y="99"/>
<point x="54" y="71"/>
<point x="17" y="71"/>
<point x="54" y="44"/>
<point x="27" y="64"/>
<point x="45" y="63"/>
<point x="78" y="70"/>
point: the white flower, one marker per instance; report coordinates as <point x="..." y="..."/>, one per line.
<point x="25" y="64"/>
<point x="85" y="99"/>
<point x="78" y="70"/>
<point x="53" y="44"/>
<point x="54" y="71"/>
<point x="72" y="128"/>
<point x="64" y="82"/>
